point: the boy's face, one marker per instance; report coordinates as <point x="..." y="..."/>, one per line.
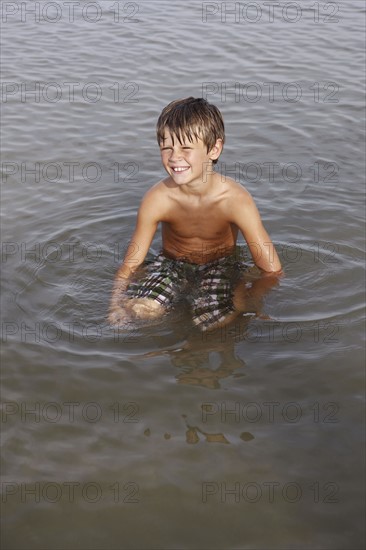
<point x="189" y="162"/>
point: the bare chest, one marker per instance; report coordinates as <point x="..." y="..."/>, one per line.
<point x="205" y="220"/>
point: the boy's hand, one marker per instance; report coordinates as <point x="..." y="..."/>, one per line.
<point x="120" y="285"/>
<point x="117" y="316"/>
<point x="116" y="312"/>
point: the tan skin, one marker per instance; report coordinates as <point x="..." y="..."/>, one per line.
<point x="201" y="214"/>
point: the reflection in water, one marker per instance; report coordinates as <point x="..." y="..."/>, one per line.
<point x="208" y="357"/>
<point x="197" y="360"/>
<point x="192" y="435"/>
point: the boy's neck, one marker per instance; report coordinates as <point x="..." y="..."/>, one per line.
<point x="200" y="188"/>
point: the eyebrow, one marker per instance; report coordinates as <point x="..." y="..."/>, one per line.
<point x="162" y="147"/>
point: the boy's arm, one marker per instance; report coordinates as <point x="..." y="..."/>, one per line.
<point x="246" y="216"/>
<point x="148" y="218"/>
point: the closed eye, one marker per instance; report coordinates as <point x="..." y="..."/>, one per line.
<point x="171" y="148"/>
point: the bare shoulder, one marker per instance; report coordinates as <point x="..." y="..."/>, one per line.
<point x="240" y="206"/>
<point x="237" y="195"/>
<point x="154" y="201"/>
<point x="156" y="193"/>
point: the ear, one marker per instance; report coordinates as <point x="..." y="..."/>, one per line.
<point x="216" y="149"/>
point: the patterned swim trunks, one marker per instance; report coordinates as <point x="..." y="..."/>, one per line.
<point x="208" y="287"/>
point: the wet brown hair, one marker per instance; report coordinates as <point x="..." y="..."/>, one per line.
<point x="191" y="118"/>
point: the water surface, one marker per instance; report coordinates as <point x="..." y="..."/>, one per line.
<point x="159" y="437"/>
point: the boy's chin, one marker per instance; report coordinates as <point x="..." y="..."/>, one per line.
<point x="181" y="180"/>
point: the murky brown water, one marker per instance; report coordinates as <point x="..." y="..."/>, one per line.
<point x="250" y="437"/>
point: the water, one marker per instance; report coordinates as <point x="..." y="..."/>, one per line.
<point x="159" y="437"/>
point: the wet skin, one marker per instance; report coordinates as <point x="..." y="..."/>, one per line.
<point x="201" y="214"/>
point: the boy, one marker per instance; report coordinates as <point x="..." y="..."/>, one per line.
<point x="201" y="213"/>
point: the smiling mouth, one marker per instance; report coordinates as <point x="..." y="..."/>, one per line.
<point x="180" y="168"/>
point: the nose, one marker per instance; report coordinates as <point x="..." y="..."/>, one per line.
<point x="175" y="155"/>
